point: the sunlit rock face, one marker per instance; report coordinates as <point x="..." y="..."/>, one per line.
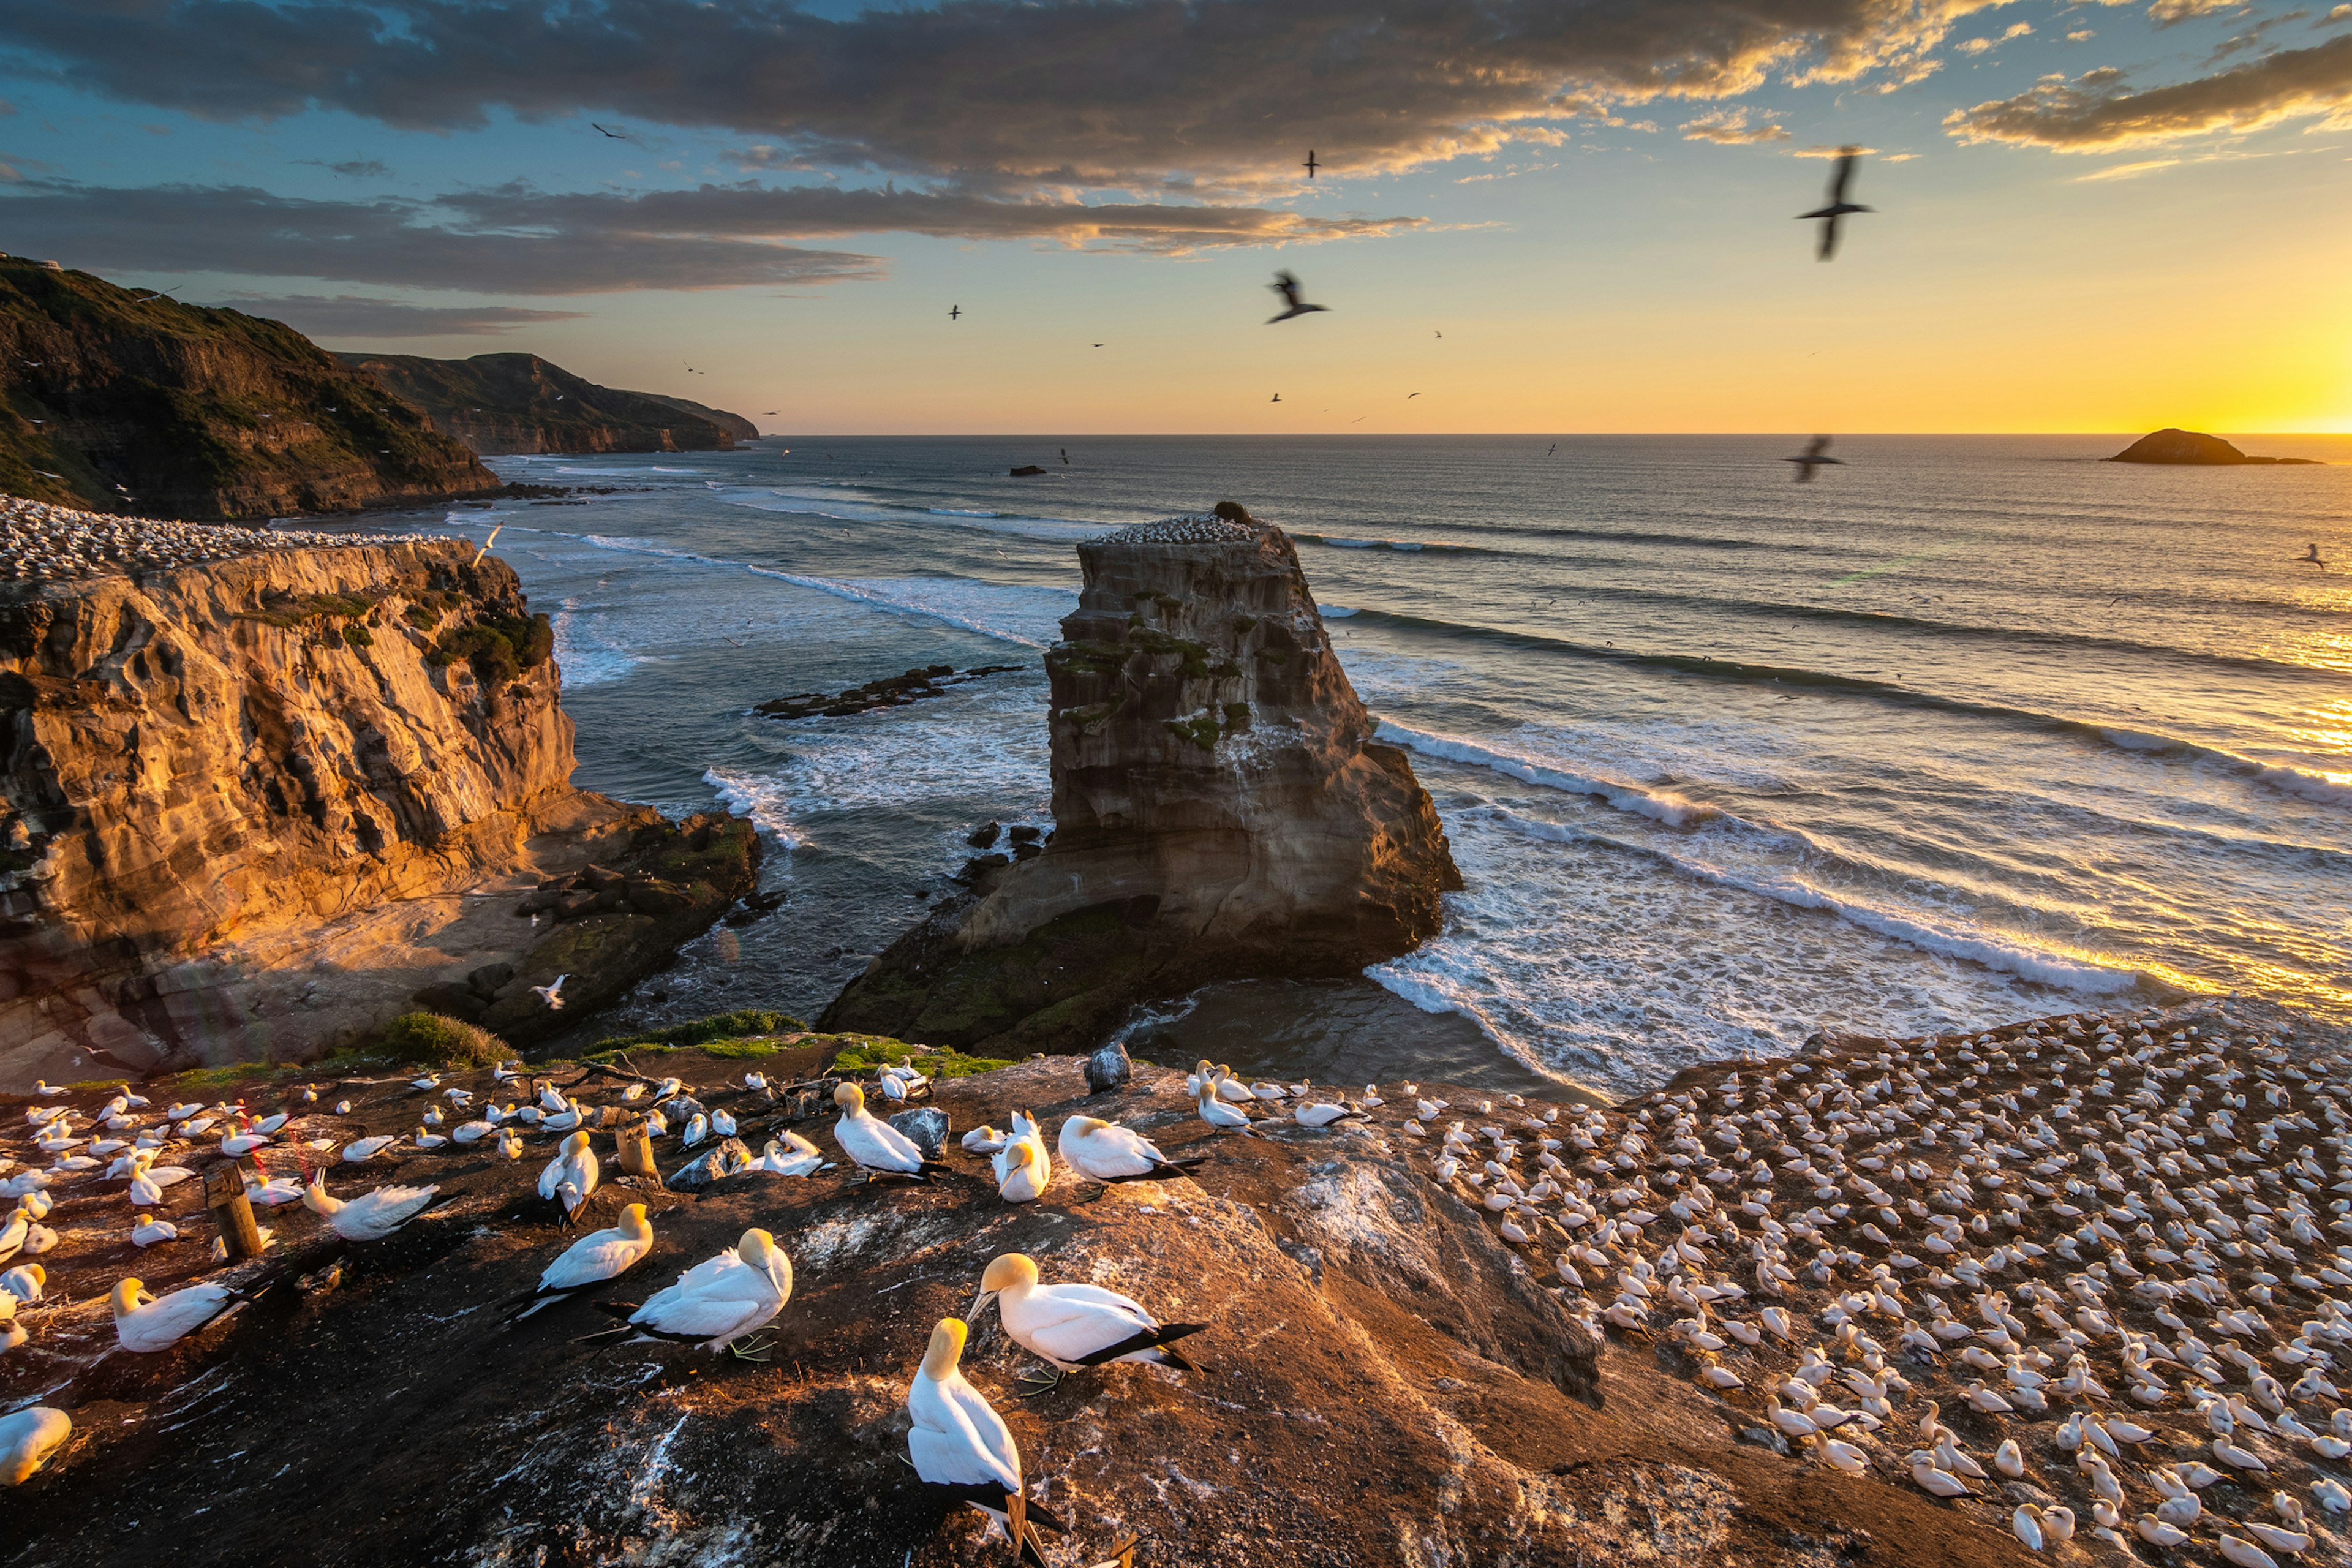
<point x="1221" y="810"/>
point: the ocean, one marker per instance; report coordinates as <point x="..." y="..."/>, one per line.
<point x="1972" y="728"/>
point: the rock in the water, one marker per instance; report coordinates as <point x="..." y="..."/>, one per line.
<point x="2191" y="448"/>
<point x="927" y="1127"/>
<point x="1221" y="811"/>
<point x="1107" y="1068"/>
<point x="728" y="1159"/>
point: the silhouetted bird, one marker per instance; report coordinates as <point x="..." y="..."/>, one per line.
<point x="1065" y="455"/>
<point x="1838" y="205"/>
<point x="1812" y="458"/>
<point x="954" y="312"/>
<point x="1278" y="397"/>
<point x="1555" y="449"/>
<point x="2311" y="557"/>
<point x="1410" y="395"/>
<point x="1312" y="164"/>
<point x="1287" y="286"/>
<point x="616" y="135"/>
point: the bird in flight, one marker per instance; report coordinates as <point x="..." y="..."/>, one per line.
<point x="1098" y="345"/>
<point x="954" y="312"/>
<point x="485" y="550"/>
<point x="1840" y="179"/>
<point x="1814" y="459"/>
<point x="616" y="135"/>
<point x="1278" y="397"/>
<point x="2311" y="557"/>
<point x="1066" y="457"/>
<point x="1312" y="164"/>
<point x="1555" y="449"/>
<point x="1410" y="395"/>
<point x="1440" y="334"/>
<point x="1287" y="286"/>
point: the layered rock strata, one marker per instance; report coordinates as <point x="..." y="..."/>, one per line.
<point x="1221" y="809"/>
<point x="248" y="808"/>
<point x="511" y="403"/>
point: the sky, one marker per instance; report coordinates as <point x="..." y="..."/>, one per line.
<point x="1528" y="216"/>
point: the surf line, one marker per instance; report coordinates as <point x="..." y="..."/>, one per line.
<point x="1944" y="548"/>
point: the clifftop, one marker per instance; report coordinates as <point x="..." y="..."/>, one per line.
<point x="1220" y="811"/>
<point x="2192" y="449"/>
<point x="510" y="403"/>
<point x="134" y="403"/>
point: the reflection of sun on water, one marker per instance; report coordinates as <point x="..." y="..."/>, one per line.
<point x="2328" y="733"/>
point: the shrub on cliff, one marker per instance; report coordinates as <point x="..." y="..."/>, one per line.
<point x="434" y="1039"/>
<point x="741" y="1023"/>
<point x="499" y="647"/>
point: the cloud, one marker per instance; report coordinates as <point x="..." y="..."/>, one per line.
<point x="1730" y="128"/>
<point x="1095" y="93"/>
<point x="2097" y="112"/>
<point x="2126" y="171"/>
<point x="361" y="316"/>
<point x="514" y="240"/>
<point x="2172" y="13"/>
<point x="1829" y="151"/>
<point x="354" y="168"/>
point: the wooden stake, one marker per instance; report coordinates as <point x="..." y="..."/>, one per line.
<point x="636" y="1150"/>
<point x="225" y="1196"/>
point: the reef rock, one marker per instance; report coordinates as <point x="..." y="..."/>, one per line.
<point x="1221" y="807"/>
<point x="2189" y="447"/>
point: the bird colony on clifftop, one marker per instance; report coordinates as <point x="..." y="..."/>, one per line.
<point x="45" y="543"/>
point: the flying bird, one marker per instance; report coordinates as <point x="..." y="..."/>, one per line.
<point x="485" y="550"/>
<point x="1814" y="459"/>
<point x="1278" y="397"/>
<point x="551" y="994"/>
<point x="1410" y="395"/>
<point x="1286" y="284"/>
<point x="1838" y="205"/>
<point x="954" y="313"/>
<point x="2311" y="557"/>
<point x="616" y="135"/>
<point x="1312" y="164"/>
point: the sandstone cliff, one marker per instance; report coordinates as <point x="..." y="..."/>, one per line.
<point x="2190" y="448"/>
<point x="130" y="403"/>
<point x="248" y="808"/>
<point x="1221" y="810"/>
<point x="511" y="403"/>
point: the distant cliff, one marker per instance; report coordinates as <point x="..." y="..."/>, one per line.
<point x="513" y="403"/>
<point x="120" y="401"/>
<point x="2192" y="449"/>
<point x="1220" y="811"/>
<point x="250" y="808"/>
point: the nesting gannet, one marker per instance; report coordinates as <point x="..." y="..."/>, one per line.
<point x="595" y="1258"/>
<point x="1073" y="1326"/>
<point x="148" y="1232"/>
<point x="27" y="1281"/>
<point x="371" y="1216"/>
<point x="873" y="1145"/>
<point x="790" y="1155"/>
<point x="1322" y="1115"/>
<point x="958" y="1443"/>
<point x="1106" y="1152"/>
<point x="27" y="1439"/>
<point x="1023" y="1170"/>
<point x="715" y="1303"/>
<point x="987" y="1141"/>
<point x="144" y="1322"/>
<point x="364" y="1148"/>
<point x="1220" y="1114"/>
<point x="570" y="1179"/>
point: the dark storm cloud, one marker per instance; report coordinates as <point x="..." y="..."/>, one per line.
<point x="2097" y="112"/>
<point x="1095" y="93"/>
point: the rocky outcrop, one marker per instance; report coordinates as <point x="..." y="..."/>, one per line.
<point x="514" y="403"/>
<point x="1220" y="811"/>
<point x="248" y="808"/>
<point x="2191" y="449"/>
<point x="134" y="402"/>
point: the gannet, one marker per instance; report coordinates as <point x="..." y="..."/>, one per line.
<point x="27" y="1439"/>
<point x="275" y="1191"/>
<point x="1023" y="1170"/>
<point x="958" y="1443"/>
<point x="715" y="1303"/>
<point x="371" y="1216"/>
<point x="1074" y="1326"/>
<point x="595" y="1258"/>
<point x="570" y="1179"/>
<point x="792" y="1155"/>
<point x="552" y="993"/>
<point x="472" y="1131"/>
<point x="27" y="1281"/>
<point x="872" y="1145"/>
<point x="364" y="1148"/>
<point x="1106" y="1152"/>
<point x="427" y="1141"/>
<point x="148" y="1232"/>
<point x="1321" y="1115"/>
<point x="988" y="1140"/>
<point x="144" y="1323"/>
<point x="1220" y="1114"/>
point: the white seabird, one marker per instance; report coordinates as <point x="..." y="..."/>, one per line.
<point x="371" y="1216"/>
<point x="873" y="1145"/>
<point x="595" y="1258"/>
<point x="570" y="1177"/>
<point x="1106" y="1152"/>
<point x="959" y="1443"/>
<point x="715" y="1303"/>
<point x="1073" y="1326"/>
<point x="145" y="1323"/>
<point x="1023" y="1170"/>
<point x="27" y="1439"/>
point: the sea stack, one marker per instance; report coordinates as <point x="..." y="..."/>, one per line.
<point x="2191" y="448"/>
<point x="1221" y="811"/>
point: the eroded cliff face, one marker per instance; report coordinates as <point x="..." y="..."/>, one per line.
<point x="240" y="803"/>
<point x="1220" y="811"/>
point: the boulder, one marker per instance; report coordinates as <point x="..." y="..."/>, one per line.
<point x="927" y="1126"/>
<point x="1107" y="1068"/>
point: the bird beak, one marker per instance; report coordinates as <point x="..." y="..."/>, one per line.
<point x="979" y="1299"/>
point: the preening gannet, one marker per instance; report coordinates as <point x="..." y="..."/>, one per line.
<point x="715" y="1303"/>
<point x="593" y="1258"/>
<point x="360" y="1149"/>
<point x="144" y="1322"/>
<point x="872" y="1144"/>
<point x="371" y="1216"/>
<point x="1023" y="1170"/>
<point x="790" y="1155"/>
<point x="959" y="1443"/>
<point x="1219" y="1113"/>
<point x="1106" y="1152"/>
<point x="1074" y="1326"/>
<point x="27" y="1439"/>
<point x="570" y="1177"/>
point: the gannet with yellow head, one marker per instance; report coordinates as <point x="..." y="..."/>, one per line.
<point x="960" y="1444"/>
<point x="872" y="1144"/>
<point x="715" y="1303"/>
<point x="595" y="1258"/>
<point x="1074" y="1326"/>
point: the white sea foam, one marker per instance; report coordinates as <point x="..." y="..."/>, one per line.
<point x="1660" y="805"/>
<point x="2325" y="788"/>
<point x="767" y="805"/>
